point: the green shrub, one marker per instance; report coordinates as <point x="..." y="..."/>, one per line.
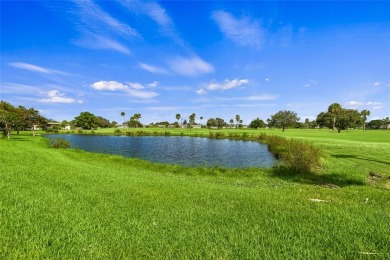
<point x="117" y="131"/>
<point x="79" y="131"/>
<point x="60" y="143"/>
<point x="301" y="156"/>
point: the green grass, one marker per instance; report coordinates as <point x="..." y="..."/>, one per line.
<point x="70" y="204"/>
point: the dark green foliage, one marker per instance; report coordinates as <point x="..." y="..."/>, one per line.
<point x="342" y="119"/>
<point x="284" y="119"/>
<point x="60" y="143"/>
<point x="79" y="131"/>
<point x="257" y="123"/>
<point x="117" y="131"/>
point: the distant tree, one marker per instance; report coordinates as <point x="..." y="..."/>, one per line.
<point x="334" y="110"/>
<point x="201" y="118"/>
<point x="192" y="119"/>
<point x="307" y="123"/>
<point x="364" y="113"/>
<point x="185" y="122"/>
<point x="375" y="124"/>
<point x="178" y="116"/>
<point x="220" y="123"/>
<point x="237" y="120"/>
<point x="136" y="118"/>
<point x="212" y="123"/>
<point x="284" y="119"/>
<point x="86" y="120"/>
<point x="257" y="123"/>
<point x="123" y="115"/>
<point x="102" y="122"/>
<point x="231" y="121"/>
<point x="346" y="118"/>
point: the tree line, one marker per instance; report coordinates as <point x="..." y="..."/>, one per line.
<point x="335" y="117"/>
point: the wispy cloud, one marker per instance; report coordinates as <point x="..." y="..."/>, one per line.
<point x="376" y="84"/>
<point x="225" y="85"/>
<point x="98" y="29"/>
<point x="311" y="83"/>
<point x="98" y="42"/>
<point x="190" y="66"/>
<point x="371" y="104"/>
<point x="132" y="89"/>
<point x="201" y="91"/>
<point x="243" y="31"/>
<point x="54" y="96"/>
<point x="35" y="68"/>
<point x="158" y="14"/>
<point x="95" y="19"/>
<point x="153" y="69"/>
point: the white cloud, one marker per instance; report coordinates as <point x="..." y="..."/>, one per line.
<point x="153" y="84"/>
<point x="227" y="84"/>
<point x="370" y="103"/>
<point x="201" y="91"/>
<point x="354" y="103"/>
<point x="377" y="107"/>
<point x="153" y="69"/>
<point x="108" y="85"/>
<point x="311" y="83"/>
<point x="376" y="84"/>
<point x="35" y="68"/>
<point x="243" y="31"/>
<point x="54" y="96"/>
<point x="132" y="89"/>
<point x="190" y="66"/>
<point x="136" y="85"/>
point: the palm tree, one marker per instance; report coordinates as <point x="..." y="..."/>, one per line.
<point x="201" y="118"/>
<point x="364" y="113"/>
<point x="136" y="117"/>
<point x="192" y="119"/>
<point x="123" y="115"/>
<point x="241" y="122"/>
<point x="178" y="116"/>
<point x="231" y="123"/>
<point x="334" y="109"/>
<point x="238" y="120"/>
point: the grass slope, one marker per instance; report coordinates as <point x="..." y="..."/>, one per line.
<point x="72" y="204"/>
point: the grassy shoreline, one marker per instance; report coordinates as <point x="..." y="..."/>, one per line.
<point x="72" y="204"/>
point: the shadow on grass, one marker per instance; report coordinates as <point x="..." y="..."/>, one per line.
<point x="315" y="178"/>
<point x="347" y="156"/>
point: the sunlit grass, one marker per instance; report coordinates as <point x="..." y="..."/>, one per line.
<point x="70" y="204"/>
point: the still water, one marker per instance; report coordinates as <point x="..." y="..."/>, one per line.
<point x="183" y="150"/>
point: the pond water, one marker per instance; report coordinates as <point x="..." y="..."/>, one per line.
<point x="183" y="150"/>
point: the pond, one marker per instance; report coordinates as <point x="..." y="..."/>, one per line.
<point x="183" y="150"/>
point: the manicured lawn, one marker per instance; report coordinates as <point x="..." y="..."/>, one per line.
<point x="70" y="204"/>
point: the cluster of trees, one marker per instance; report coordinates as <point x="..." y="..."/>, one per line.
<point x="340" y="118"/>
<point x="19" y="118"/>
<point x="87" y="120"/>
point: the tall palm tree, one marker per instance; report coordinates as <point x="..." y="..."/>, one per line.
<point x="192" y="119"/>
<point x="123" y="115"/>
<point x="231" y="123"/>
<point x="364" y="114"/>
<point x="136" y="117"/>
<point x="201" y="118"/>
<point x="237" y="120"/>
<point x="178" y="116"/>
<point x="334" y="109"/>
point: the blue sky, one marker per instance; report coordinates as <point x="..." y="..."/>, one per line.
<point x="212" y="58"/>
